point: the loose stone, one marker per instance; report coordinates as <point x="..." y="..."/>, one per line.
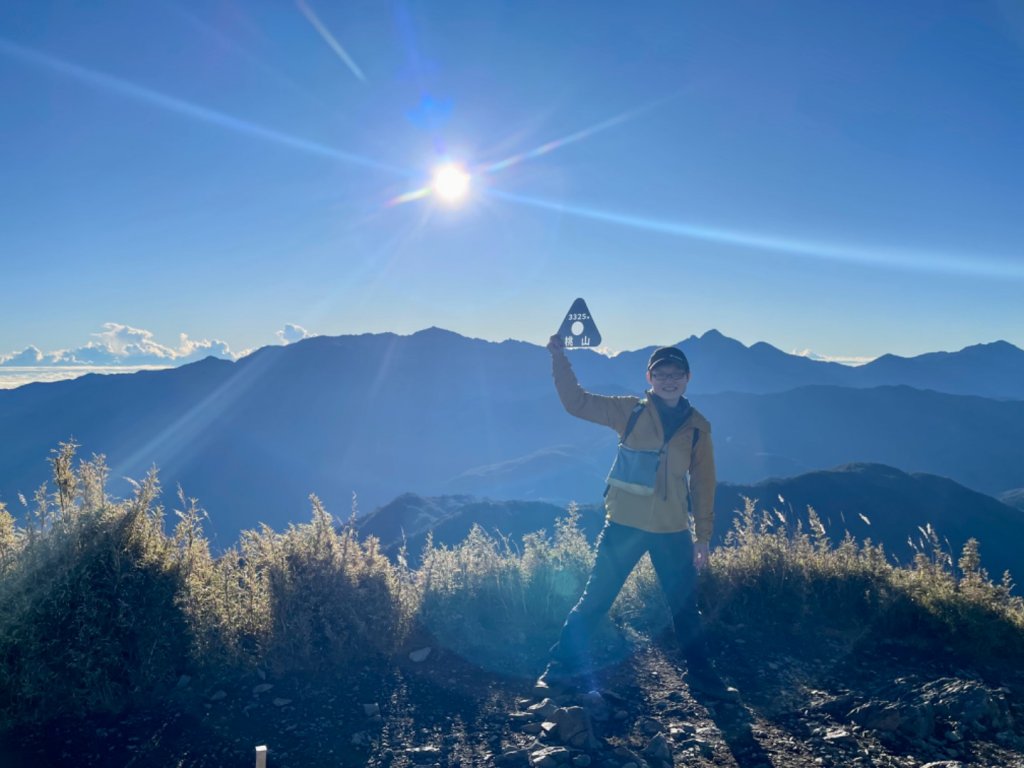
<point x="420" y="655"/>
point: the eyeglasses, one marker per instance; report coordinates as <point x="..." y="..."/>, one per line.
<point x="677" y="376"/>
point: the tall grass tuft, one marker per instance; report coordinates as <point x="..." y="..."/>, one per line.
<point x="792" y="579"/>
<point x="314" y="597"/>
<point x="88" y="618"/>
<point x="772" y="573"/>
<point x="328" y="598"/>
<point x="959" y="607"/>
<point x="100" y="608"/>
<point x="497" y="604"/>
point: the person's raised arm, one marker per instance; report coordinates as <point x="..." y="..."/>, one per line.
<point x="602" y="409"/>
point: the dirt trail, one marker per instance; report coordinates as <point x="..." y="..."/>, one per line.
<point x="797" y="708"/>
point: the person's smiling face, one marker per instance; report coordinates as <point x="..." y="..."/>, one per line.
<point x="668" y="381"/>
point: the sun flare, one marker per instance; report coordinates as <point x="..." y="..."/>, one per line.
<point x="450" y="183"/>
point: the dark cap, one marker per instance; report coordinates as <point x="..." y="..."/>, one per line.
<point x="668" y="355"/>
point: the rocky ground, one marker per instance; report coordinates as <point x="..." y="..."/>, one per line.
<point x="800" y="704"/>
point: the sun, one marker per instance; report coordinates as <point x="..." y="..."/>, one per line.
<point x="450" y="183"/>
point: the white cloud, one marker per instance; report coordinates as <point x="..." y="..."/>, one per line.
<point x="292" y="333"/>
<point x="810" y="354"/>
<point x="16" y="376"/>
<point x="197" y="350"/>
<point x="28" y="356"/>
<point x="122" y="345"/>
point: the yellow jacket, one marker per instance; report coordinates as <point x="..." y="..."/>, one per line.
<point x="666" y="510"/>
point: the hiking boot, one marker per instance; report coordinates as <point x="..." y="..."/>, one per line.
<point x="558" y="677"/>
<point x="703" y="680"/>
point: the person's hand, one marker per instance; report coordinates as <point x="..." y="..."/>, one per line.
<point x="701" y="553"/>
<point x="556" y="346"/>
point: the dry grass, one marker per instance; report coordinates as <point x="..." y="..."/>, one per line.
<point x="100" y="606"/>
<point x="798" y="581"/>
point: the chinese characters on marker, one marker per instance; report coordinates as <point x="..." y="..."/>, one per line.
<point x="578" y="330"/>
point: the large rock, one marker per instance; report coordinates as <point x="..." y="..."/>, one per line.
<point x="658" y="751"/>
<point x="550" y="757"/>
<point x="514" y="758"/>
<point x="970" y="703"/>
<point x="426" y="754"/>
<point x="625" y="756"/>
<point x="920" y="711"/>
<point x="649" y="726"/>
<point x="572" y="721"/>
<point x="906" y="719"/>
<point x="544" y="708"/>
<point x="596" y="705"/>
<point x="839" y="736"/>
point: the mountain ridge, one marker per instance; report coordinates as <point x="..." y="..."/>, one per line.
<point x="436" y="412"/>
<point x="1002" y="379"/>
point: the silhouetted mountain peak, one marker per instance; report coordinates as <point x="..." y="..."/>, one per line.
<point x="765" y="351"/>
<point x="998" y="347"/>
<point x="868" y="469"/>
<point x="716" y="339"/>
<point x="434" y="332"/>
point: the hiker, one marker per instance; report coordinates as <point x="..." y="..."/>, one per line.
<point x="664" y="468"/>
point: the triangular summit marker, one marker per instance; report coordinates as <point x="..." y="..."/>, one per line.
<point x="578" y="330"/>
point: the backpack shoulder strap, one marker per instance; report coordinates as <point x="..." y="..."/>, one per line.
<point x="633" y="416"/>
<point x="689" y="500"/>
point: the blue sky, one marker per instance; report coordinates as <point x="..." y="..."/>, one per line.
<point x="843" y="177"/>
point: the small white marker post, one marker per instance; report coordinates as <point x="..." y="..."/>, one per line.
<point x="261" y="756"/>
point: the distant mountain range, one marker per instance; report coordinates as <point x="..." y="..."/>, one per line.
<point x="869" y="501"/>
<point x="438" y="413"/>
<point x="721" y="364"/>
